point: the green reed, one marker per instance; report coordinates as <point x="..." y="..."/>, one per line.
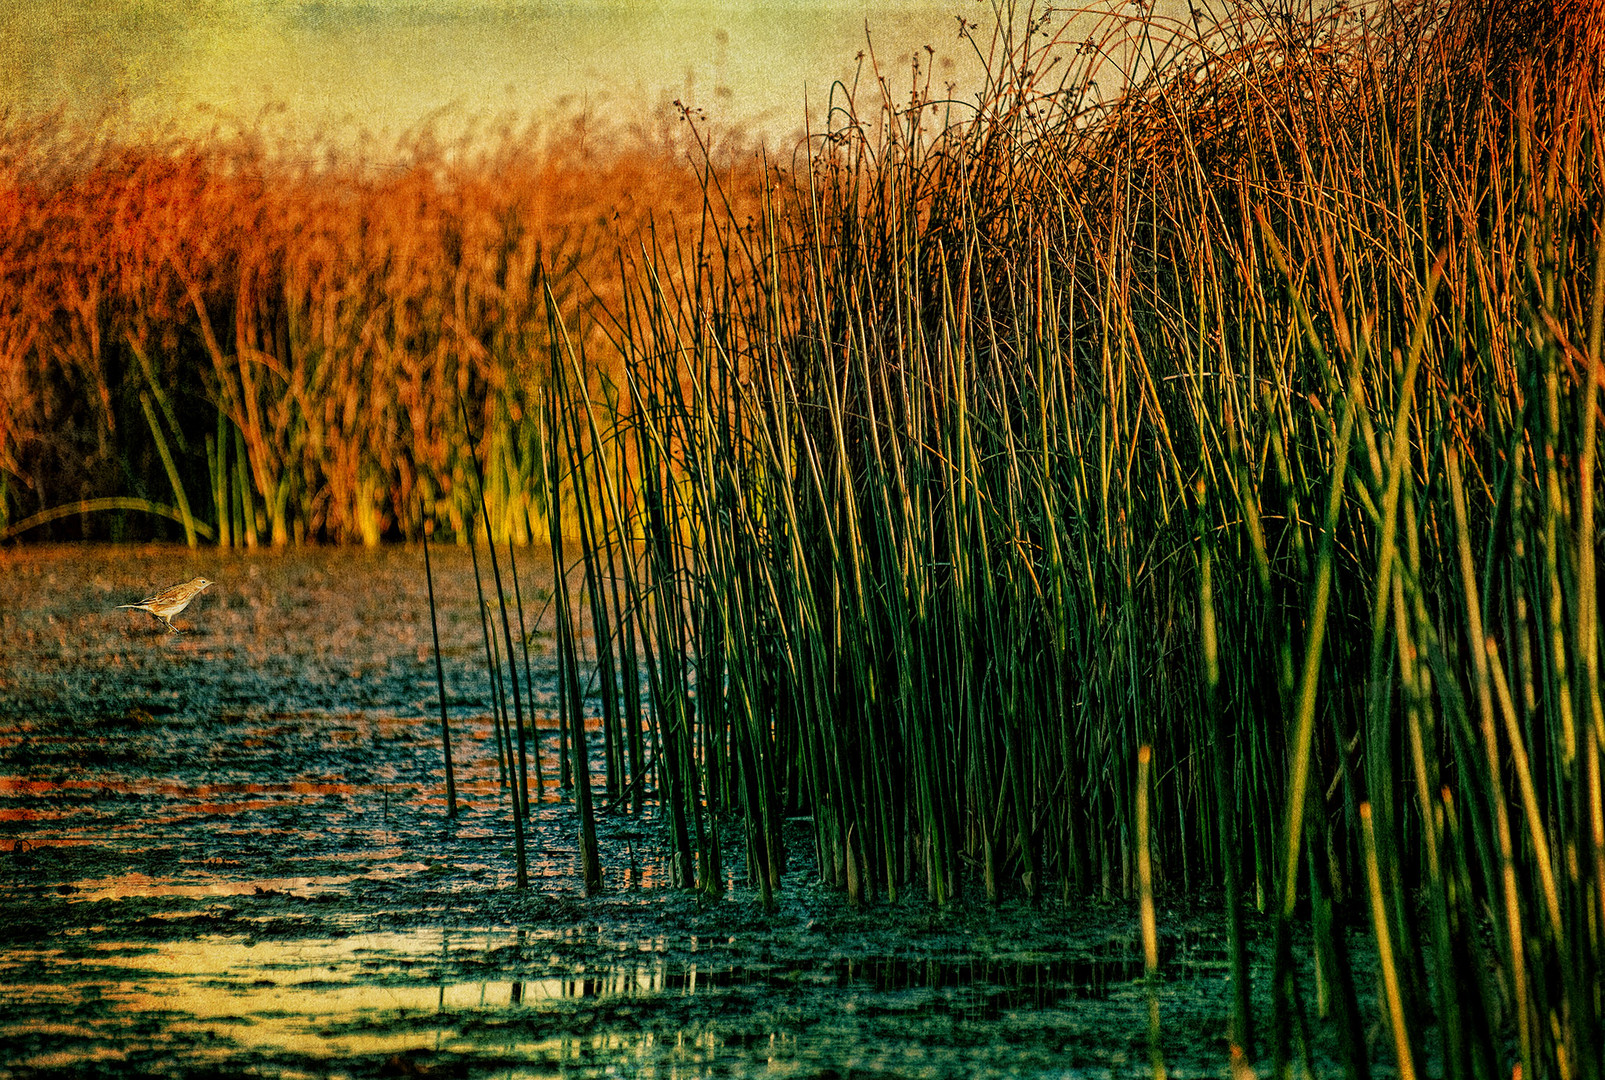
<point x="440" y="678"/>
<point x="1247" y="414"/>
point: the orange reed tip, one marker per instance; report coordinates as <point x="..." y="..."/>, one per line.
<point x="1144" y="753"/>
<point x="1365" y="811"/>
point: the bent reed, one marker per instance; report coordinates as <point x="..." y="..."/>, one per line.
<point x="1200" y="431"/>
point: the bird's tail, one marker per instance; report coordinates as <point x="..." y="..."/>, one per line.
<point x="131" y="605"/>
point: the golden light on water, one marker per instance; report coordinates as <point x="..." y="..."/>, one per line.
<point x="328" y="997"/>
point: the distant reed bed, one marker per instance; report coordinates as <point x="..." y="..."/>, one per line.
<point x="1188" y="487"/>
<point x="264" y="336"/>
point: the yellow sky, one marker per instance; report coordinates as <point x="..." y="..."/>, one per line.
<point x="385" y="65"/>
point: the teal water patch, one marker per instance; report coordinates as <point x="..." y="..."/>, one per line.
<point x="581" y="1003"/>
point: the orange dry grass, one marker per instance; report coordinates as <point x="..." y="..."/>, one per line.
<point x="332" y="309"/>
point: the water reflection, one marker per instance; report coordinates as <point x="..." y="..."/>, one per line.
<point x="520" y="995"/>
<point x="293" y="803"/>
<point x="261" y="776"/>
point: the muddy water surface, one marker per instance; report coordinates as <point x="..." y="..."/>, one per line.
<point x="224" y="852"/>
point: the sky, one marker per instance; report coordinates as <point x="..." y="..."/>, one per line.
<point x="388" y="65"/>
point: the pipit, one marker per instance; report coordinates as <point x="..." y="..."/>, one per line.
<point x="169" y="602"/>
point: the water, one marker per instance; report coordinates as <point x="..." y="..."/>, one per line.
<point x="225" y="852"/>
<point x="518" y="998"/>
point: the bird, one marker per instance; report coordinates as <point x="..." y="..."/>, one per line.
<point x="170" y="601"/>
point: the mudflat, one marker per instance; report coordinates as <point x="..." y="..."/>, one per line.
<point x="225" y="852"/>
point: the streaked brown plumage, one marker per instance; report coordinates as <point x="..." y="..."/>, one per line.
<point x="170" y="601"/>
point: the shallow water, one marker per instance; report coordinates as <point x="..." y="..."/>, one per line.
<point x="225" y="852"/>
<point x="508" y="993"/>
